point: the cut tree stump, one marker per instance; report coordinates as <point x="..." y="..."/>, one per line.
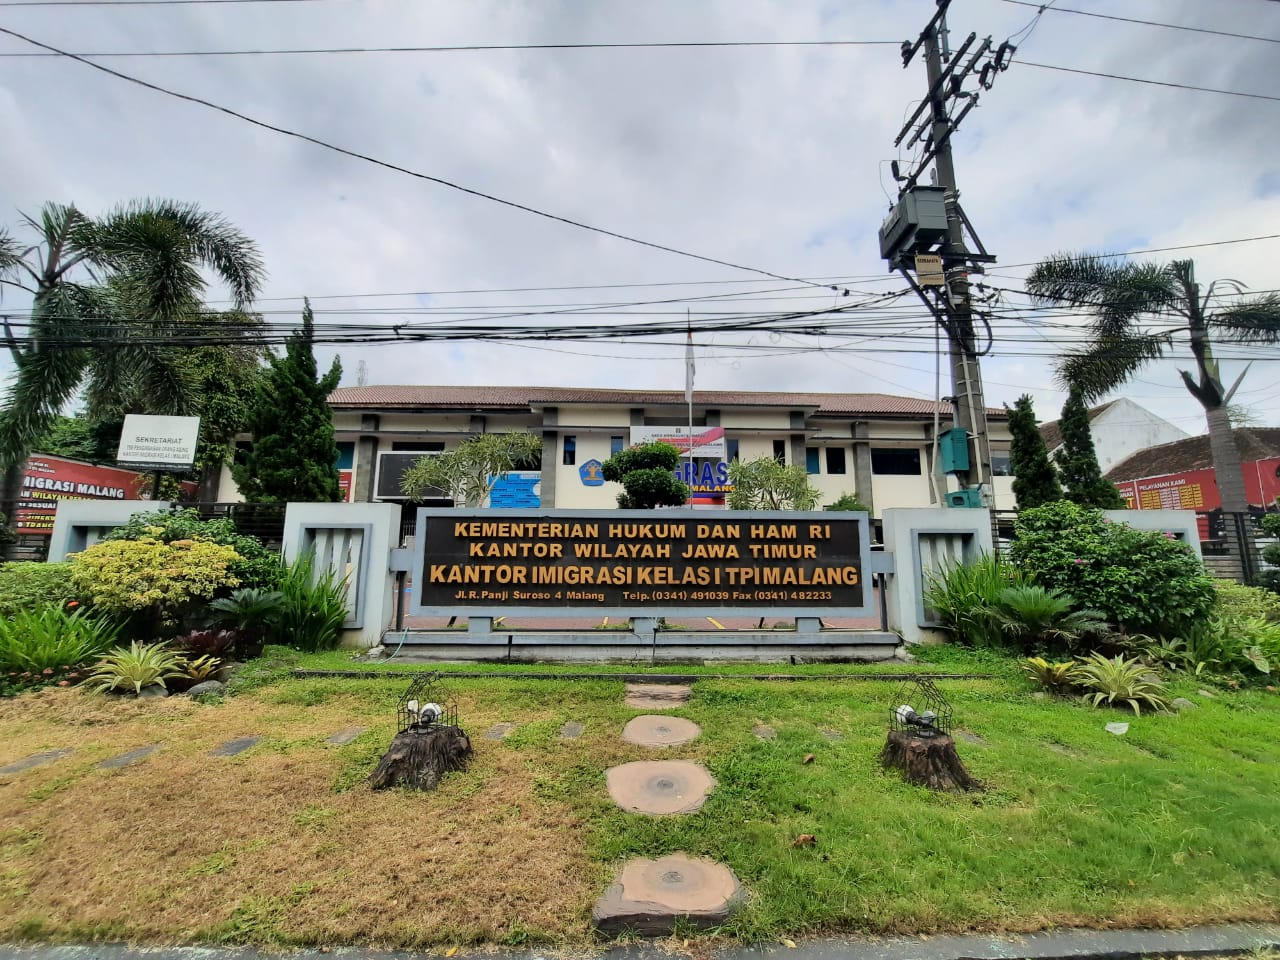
<point x="927" y="761"/>
<point x="420" y="759"/>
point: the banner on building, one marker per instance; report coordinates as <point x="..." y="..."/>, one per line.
<point x="46" y="480"/>
<point x="707" y="442"/>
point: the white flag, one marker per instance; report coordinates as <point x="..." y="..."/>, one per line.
<point x="689" y="369"/>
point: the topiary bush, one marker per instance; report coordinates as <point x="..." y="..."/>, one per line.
<point x="1143" y="581"/>
<point x="153" y="582"/>
<point x="254" y="566"/>
<point x="31" y="586"/>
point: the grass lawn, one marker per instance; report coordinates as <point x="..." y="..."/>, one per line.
<point x="1174" y="823"/>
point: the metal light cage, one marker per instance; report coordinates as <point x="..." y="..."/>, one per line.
<point x="925" y="699"/>
<point x="425" y="690"/>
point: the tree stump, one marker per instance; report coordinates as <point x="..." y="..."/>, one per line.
<point x="420" y="758"/>
<point x="926" y="761"/>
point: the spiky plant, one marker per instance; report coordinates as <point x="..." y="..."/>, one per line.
<point x="1118" y="681"/>
<point x="1035" y="617"/>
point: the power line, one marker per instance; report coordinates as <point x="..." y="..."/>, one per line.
<point x="1131" y="253"/>
<point x="399" y="169"/>
<point x="1156" y="83"/>
<point x="470" y="48"/>
<point x="1149" y="23"/>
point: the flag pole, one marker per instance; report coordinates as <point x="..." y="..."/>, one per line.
<point x="688" y="389"/>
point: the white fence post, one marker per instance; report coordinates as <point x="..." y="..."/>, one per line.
<point x="924" y="542"/>
<point x="354" y="541"/>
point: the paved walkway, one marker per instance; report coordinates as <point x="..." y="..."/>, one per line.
<point x="1207" y="941"/>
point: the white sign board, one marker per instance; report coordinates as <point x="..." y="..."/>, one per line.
<point x="706" y="441"/>
<point x="158" y="443"/>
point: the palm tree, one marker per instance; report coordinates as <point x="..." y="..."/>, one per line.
<point x="1144" y="311"/>
<point x="108" y="297"/>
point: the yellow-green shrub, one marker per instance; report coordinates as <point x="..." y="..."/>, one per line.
<point x="131" y="576"/>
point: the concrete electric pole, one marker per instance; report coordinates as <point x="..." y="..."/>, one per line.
<point x="924" y="236"/>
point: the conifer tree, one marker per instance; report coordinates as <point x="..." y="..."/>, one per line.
<point x="1035" y="482"/>
<point x="1077" y="460"/>
<point x="294" y="455"/>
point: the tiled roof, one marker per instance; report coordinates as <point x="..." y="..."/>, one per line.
<point x="523" y="398"/>
<point x="1254" y="443"/>
<point x="1051" y="432"/>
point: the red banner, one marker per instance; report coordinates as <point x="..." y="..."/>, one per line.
<point x="46" y="480"/>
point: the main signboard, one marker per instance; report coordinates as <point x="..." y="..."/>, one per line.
<point x="640" y="563"/>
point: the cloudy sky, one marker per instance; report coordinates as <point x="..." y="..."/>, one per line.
<point x="774" y="158"/>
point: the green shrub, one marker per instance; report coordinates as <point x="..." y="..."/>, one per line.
<point x="248" y="614"/>
<point x="313" y="607"/>
<point x="1037" y="619"/>
<point x="31" y="586"/>
<point x="1238" y="602"/>
<point x="848" y="502"/>
<point x="1143" y="581"/>
<point x="1269" y="523"/>
<point x="254" y="566"/>
<point x="1118" y="681"/>
<point x="53" y="639"/>
<point x="964" y="597"/>
<point x="137" y="667"/>
<point x="1057" y="678"/>
<point x="152" y="578"/>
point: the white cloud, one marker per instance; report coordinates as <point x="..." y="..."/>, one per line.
<point x="770" y="157"/>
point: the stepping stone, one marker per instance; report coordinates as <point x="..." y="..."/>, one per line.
<point x="763" y="731"/>
<point x="571" y="730"/>
<point x="129" y="759"/>
<point x="499" y="731"/>
<point x="650" y="896"/>
<point x="835" y="736"/>
<point x="659" y="787"/>
<point x="657" y="696"/>
<point x="1207" y="694"/>
<point x="1063" y="749"/>
<point x="232" y="747"/>
<point x="1182" y="703"/>
<point x="35" y="760"/>
<point x="343" y="737"/>
<point x="1119" y="729"/>
<point x="651" y="731"/>
<point x="969" y="737"/>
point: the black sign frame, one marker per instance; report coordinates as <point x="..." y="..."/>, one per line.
<point x="817" y="563"/>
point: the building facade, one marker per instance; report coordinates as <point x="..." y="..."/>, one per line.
<point x="876" y="446"/>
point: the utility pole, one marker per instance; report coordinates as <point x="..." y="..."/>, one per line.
<point x="925" y="232"/>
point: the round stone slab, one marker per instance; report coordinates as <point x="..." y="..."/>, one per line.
<point x="654" y="731"/>
<point x="649" y="896"/>
<point x="659" y="787"/>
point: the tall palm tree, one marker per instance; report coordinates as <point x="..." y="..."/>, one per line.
<point x="1144" y="311"/>
<point x="108" y="296"/>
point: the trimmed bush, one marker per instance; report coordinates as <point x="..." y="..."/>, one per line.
<point x="32" y="586"/>
<point x="254" y="565"/>
<point x="151" y="578"/>
<point x="1143" y="581"/>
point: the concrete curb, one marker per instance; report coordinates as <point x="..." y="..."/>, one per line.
<point x="1217" y="940"/>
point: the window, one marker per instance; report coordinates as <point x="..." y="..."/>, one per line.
<point x="570" y="450"/>
<point x="1001" y="465"/>
<point x="780" y="451"/>
<point x="835" y="460"/>
<point x="895" y="461"/>
<point x="617" y="445"/>
<point x="811" y="460"/>
<point x="731" y="449"/>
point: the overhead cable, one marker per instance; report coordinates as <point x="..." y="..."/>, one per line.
<point x="399" y="169"/>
